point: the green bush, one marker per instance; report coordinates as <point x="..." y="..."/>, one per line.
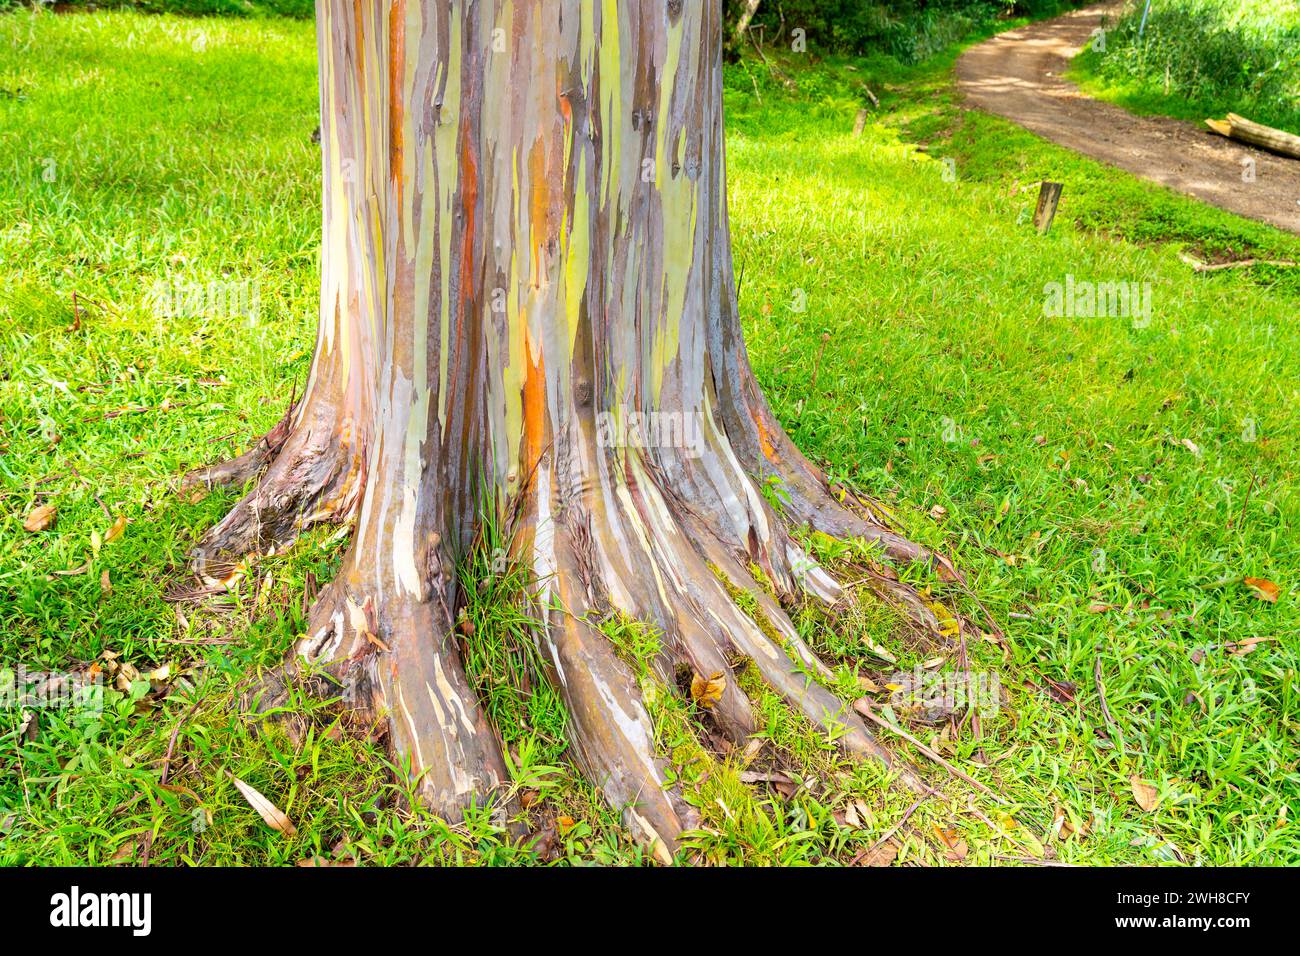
<point x="1204" y="57"/>
<point x="909" y="30"/>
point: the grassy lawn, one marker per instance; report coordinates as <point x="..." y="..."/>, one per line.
<point x="1107" y="482"/>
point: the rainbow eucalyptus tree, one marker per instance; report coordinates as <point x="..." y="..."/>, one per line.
<point x="528" y="308"/>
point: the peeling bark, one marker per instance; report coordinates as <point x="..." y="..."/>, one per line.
<point x="528" y="305"/>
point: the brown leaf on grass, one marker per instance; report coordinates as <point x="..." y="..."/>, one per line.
<point x="1146" y="796"/>
<point x="1069" y="829"/>
<point x="1242" y="648"/>
<point x="105" y="582"/>
<point x="999" y="641"/>
<point x="1263" y="589"/>
<point x="272" y="815"/>
<point x="708" y="691"/>
<point x="1098" y="607"/>
<point x="759" y="776"/>
<point x="868" y="685"/>
<point x="1060" y="691"/>
<point x="40" y="518"/>
<point x="955" y="849"/>
<point x="125" y="853"/>
<point x="323" y="861"/>
<point x="119" y="525"/>
<point x="883" y="855"/>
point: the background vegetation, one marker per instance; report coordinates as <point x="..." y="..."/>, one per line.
<point x="298" y="9"/>
<point x="1202" y="58"/>
<point x="908" y="30"/>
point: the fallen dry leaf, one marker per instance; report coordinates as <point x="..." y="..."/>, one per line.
<point x="41" y="518"/>
<point x="851" y="817"/>
<point x="1147" y="796"/>
<point x="868" y="685"/>
<point x="883" y="855"/>
<point x="955" y="847"/>
<point x="105" y="583"/>
<point x="1242" y="648"/>
<point x="1097" y="607"/>
<point x="272" y="815"/>
<point x="116" y="530"/>
<point x="1263" y="589"/>
<point x="708" y="691"/>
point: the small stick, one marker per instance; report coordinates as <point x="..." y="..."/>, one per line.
<point x="863" y="854"/>
<point x="1105" y="710"/>
<point x="863" y="708"/>
<point x="171" y="744"/>
<point x="1199" y="266"/>
<point x="826" y="337"/>
<point x="1242" y="515"/>
<point x="1030" y="861"/>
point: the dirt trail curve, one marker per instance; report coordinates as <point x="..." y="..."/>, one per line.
<point x="1018" y="75"/>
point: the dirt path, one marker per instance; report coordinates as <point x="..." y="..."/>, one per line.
<point x="1018" y="75"/>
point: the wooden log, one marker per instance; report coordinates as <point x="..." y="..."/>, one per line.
<point x="860" y="123"/>
<point x="1049" y="197"/>
<point x="1257" y="134"/>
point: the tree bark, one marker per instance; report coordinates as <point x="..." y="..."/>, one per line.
<point x="751" y="7"/>
<point x="528" y="307"/>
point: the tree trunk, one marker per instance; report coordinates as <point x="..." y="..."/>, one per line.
<point x="528" y="307"/>
<point x="751" y="7"/>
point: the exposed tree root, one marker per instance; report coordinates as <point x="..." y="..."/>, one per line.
<point x="242" y="468"/>
<point x="624" y="539"/>
<point x="396" y="658"/>
<point x="312" y="472"/>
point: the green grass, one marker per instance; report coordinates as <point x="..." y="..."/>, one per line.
<point x="298" y="9"/>
<point x="1056" y="446"/>
<point x="1201" y="58"/>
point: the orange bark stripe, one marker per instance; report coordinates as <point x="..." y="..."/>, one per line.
<point x="769" y="451"/>
<point x="469" y="203"/>
<point x="396" y="71"/>
<point x="539" y="206"/>
<point x="534" y="403"/>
